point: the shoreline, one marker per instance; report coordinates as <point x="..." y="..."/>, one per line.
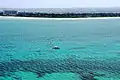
<point x="41" y="18"/>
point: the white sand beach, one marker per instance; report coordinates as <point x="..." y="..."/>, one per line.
<point x="41" y="18"/>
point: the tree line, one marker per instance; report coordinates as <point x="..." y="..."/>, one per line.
<point x="64" y="15"/>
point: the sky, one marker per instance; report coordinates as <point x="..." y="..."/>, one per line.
<point x="58" y="3"/>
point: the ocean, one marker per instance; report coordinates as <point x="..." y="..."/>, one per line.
<point x="89" y="49"/>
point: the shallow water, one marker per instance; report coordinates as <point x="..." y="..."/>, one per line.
<point x="87" y="41"/>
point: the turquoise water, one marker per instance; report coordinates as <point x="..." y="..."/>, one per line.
<point x="94" y="45"/>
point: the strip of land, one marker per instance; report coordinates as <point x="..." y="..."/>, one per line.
<point x="34" y="18"/>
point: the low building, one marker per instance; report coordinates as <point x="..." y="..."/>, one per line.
<point x="10" y="12"/>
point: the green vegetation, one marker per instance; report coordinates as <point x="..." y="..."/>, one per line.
<point x="63" y="15"/>
<point x="68" y="15"/>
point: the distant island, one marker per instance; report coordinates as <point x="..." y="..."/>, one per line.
<point x="16" y="13"/>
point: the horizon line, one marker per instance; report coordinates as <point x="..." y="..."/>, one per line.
<point x="57" y="8"/>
